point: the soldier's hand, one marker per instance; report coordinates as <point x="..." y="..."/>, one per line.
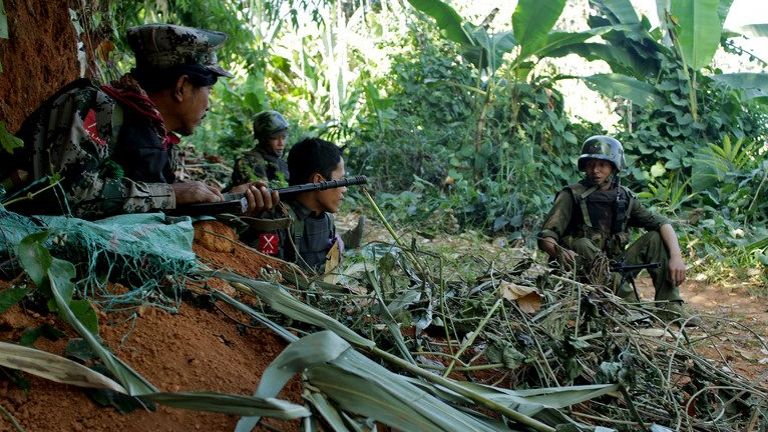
<point x="567" y="258"/>
<point x="195" y="192"/>
<point x="677" y="270"/>
<point x="260" y="198"/>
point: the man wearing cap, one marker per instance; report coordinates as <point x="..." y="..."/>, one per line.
<point x="113" y="148"/>
<point x="265" y="161"/>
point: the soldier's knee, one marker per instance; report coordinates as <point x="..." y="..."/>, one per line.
<point x="583" y="245"/>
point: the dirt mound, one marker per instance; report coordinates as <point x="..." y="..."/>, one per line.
<point x="197" y="349"/>
<point x="36" y="59"/>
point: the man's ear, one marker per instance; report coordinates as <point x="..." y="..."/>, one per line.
<point x="179" y="88"/>
<point x="317" y="177"/>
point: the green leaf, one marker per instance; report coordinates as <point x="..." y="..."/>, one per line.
<point x="698" y="32"/>
<point x="278" y="299"/>
<point x="447" y="19"/>
<point x="85" y="314"/>
<point x="532" y="21"/>
<point x="613" y="85"/>
<point x="360" y="385"/>
<point x="330" y="414"/>
<point x="3" y="24"/>
<point x="623" y="10"/>
<point x="754" y="30"/>
<point x="722" y="11"/>
<point x="531" y="402"/>
<point x="7" y="140"/>
<point x="34" y="258"/>
<point x="29" y="336"/>
<point x="756" y="81"/>
<point x="78" y="348"/>
<point x="53" y="367"/>
<point x="230" y="404"/>
<point x="11" y="296"/>
<point x="65" y="371"/>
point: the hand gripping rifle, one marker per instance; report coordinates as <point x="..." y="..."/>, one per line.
<point x="237" y="203"/>
<point x="628" y="272"/>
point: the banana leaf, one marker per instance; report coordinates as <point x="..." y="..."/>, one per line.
<point x="613" y="85"/>
<point x="276" y="297"/>
<point x="754" y="30"/>
<point x="755" y="81"/>
<point x="53" y="367"/>
<point x="699" y="28"/>
<point x="330" y="414"/>
<point x="448" y="20"/>
<point x="359" y="385"/>
<point x="62" y="370"/>
<point x="532" y="21"/>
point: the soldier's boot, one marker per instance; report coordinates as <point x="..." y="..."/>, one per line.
<point x="675" y="312"/>
<point x="354" y="237"/>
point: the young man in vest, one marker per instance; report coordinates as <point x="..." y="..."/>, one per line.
<point x="265" y="161"/>
<point x="589" y="223"/>
<point x="311" y="234"/>
<point x="114" y="147"/>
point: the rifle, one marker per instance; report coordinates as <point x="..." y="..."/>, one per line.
<point x="627" y="272"/>
<point x="236" y="203"/>
<point x="620" y="267"/>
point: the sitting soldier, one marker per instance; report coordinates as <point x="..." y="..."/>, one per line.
<point x="589" y="222"/>
<point x="311" y="234"/>
<point x="265" y="161"/>
<point x="113" y="148"/>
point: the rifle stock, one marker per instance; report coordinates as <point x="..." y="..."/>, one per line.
<point x="236" y="203"/>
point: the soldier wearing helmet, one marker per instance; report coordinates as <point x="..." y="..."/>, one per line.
<point x="590" y="220"/>
<point x="265" y="162"/>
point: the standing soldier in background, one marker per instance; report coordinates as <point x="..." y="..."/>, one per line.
<point x="588" y="227"/>
<point x="265" y="161"/>
<point x="114" y="147"/>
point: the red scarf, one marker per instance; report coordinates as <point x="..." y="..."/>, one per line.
<point x="129" y="93"/>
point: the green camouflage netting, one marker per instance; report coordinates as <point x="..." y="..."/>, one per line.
<point x="149" y="253"/>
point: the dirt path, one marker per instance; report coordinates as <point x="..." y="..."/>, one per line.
<point x="735" y="324"/>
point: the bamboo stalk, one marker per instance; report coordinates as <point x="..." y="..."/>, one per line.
<point x="471" y="340"/>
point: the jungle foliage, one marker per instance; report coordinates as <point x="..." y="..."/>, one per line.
<point x="460" y="119"/>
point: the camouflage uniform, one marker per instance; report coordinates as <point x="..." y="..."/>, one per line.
<point x="109" y="145"/>
<point x="260" y="164"/>
<point x="582" y="220"/>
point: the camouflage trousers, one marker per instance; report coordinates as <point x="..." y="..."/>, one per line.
<point x="647" y="249"/>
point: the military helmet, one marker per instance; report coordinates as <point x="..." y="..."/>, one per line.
<point x="605" y="148"/>
<point x="268" y="123"/>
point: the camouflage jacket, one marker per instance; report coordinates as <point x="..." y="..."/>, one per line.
<point x="260" y="164"/>
<point x="112" y="156"/>
<point x="566" y="220"/>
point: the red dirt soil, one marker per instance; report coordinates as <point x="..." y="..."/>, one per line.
<point x="194" y="350"/>
<point x="39" y="56"/>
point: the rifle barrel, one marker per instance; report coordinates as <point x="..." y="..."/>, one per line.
<point x="624" y="268"/>
<point x="236" y="203"/>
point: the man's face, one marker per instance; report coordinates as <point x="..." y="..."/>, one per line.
<point x="276" y="143"/>
<point x="194" y="108"/>
<point x="599" y="171"/>
<point x="330" y="199"/>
